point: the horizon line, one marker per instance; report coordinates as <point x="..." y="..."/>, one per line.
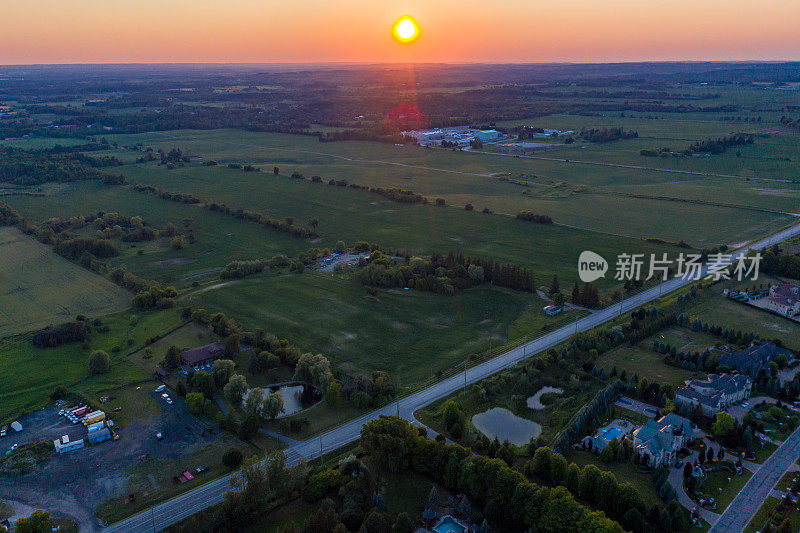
<point x="380" y="63"/>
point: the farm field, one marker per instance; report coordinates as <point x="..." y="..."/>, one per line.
<point x="219" y="238"/>
<point x="38" y="287"/>
<point x="483" y="180"/>
<point x="343" y="214"/>
<point x="407" y="333"/>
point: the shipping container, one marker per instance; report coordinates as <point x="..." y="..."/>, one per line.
<point x="91" y="418"/>
<point x="95" y="426"/>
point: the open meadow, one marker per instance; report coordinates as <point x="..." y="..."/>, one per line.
<point x="38" y="287"/>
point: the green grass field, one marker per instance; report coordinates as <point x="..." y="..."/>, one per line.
<point x="38" y="287"/>
<point x="29" y="375"/>
<point x="642" y="361"/>
<point x="723" y="487"/>
<point x="407" y="333"/>
<point x="462" y="177"/>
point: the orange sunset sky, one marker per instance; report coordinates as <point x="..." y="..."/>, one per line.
<point x="116" y="31"/>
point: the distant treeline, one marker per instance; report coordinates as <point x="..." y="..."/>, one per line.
<point x="708" y="146"/>
<point x="286" y="226"/>
<point x="533" y="217"/>
<point x="34" y="167"/>
<point x="394" y="194"/>
<point x="604" y="135"/>
<point x="720" y="145"/>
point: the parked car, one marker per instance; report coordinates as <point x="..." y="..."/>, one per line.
<point x="3" y="431"/>
<point x="745" y="404"/>
<point x="200" y="469"/>
<point x="159" y="436"/>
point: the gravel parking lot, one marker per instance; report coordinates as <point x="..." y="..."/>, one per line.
<point x="74" y="483"/>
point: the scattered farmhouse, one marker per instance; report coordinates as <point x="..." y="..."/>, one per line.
<point x="203" y="354"/>
<point x="754" y="358"/>
<point x="784" y="299"/>
<point x="658" y="442"/>
<point x="715" y="393"/>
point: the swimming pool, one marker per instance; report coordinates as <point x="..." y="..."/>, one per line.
<point x="448" y="524"/>
<point x="612" y="434"/>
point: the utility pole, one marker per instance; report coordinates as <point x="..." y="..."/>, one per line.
<point x="465" y="375"/>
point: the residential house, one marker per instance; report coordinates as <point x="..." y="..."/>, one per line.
<point x="754" y="358"/>
<point x="203" y="354"/>
<point x="784" y="299"/>
<point x="658" y="442"/>
<point x="715" y="393"/>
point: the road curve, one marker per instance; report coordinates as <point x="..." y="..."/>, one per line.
<point x="178" y="508"/>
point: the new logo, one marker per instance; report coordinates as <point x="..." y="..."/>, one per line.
<point x="591" y="266"/>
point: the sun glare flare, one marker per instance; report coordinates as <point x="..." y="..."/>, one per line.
<point x="405" y="29"/>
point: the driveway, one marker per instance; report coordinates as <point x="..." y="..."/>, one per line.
<point x="746" y="503"/>
<point x="738" y="412"/>
<point x="676" y="481"/>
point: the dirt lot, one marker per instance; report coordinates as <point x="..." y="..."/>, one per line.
<point x="73" y="484"/>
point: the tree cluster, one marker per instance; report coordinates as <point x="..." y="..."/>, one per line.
<point x="443" y="274"/>
<point x="533" y="217"/>
<point x="604" y="135"/>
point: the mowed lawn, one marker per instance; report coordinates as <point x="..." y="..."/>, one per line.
<point x="408" y="333"/>
<point x="38" y="287"/>
<point x="639" y="359"/>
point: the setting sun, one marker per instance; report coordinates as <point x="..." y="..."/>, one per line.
<point x="405" y="29"/>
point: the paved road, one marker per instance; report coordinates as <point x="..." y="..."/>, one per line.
<point x="745" y="505"/>
<point x="174" y="510"/>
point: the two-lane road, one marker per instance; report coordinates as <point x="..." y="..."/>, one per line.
<point x="172" y="511"/>
<point x="745" y="505"/>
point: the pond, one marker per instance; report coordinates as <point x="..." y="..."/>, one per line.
<point x="296" y="397"/>
<point x="501" y="423"/>
<point x="535" y="401"/>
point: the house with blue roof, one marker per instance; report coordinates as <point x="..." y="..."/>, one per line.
<point x="658" y="441"/>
